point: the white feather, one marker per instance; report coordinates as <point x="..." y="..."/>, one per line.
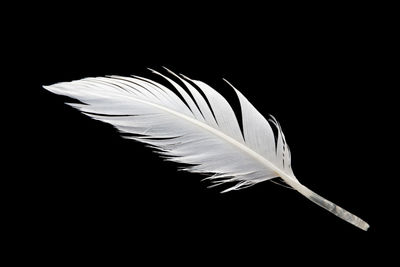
<point x="191" y="129"/>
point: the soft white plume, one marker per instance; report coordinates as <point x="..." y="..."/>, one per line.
<point x="195" y="126"/>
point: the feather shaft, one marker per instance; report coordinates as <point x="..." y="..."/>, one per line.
<point x="328" y="205"/>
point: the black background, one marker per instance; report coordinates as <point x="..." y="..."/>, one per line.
<point x="95" y="195"/>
